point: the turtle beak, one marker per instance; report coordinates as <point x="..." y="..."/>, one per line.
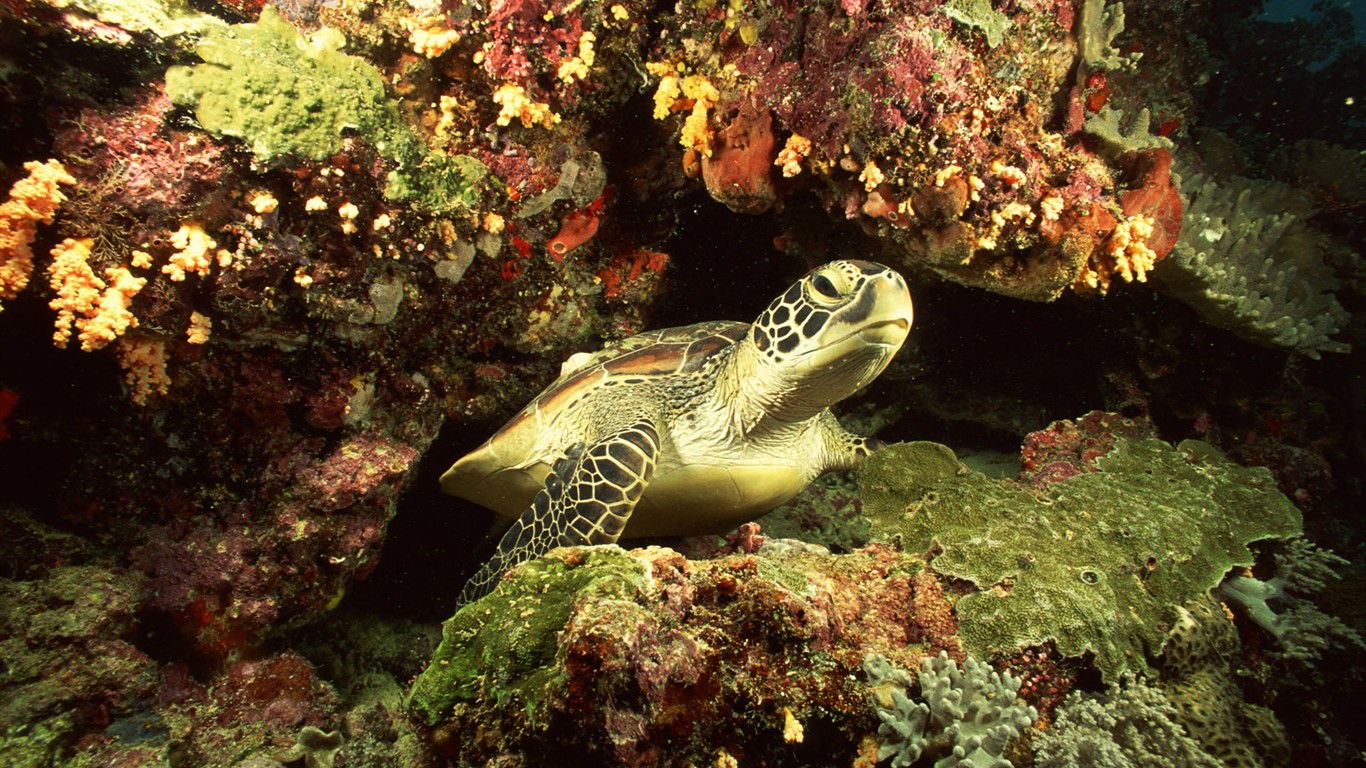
<point x="889" y="333"/>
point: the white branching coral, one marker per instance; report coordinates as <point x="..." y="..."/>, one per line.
<point x="966" y="718"/>
<point x="1304" y="631"/>
<point x="1248" y="263"/>
<point x="1132" y="724"/>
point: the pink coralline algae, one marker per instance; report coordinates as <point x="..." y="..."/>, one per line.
<point x="222" y="584"/>
<point x="134" y="164"/>
<point x="1067" y="448"/>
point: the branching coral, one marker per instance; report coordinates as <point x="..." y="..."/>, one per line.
<point x="31" y="200"/>
<point x="1100" y="24"/>
<point x="84" y="302"/>
<point x="1132" y="725"/>
<point x="1304" y="631"/>
<point x="966" y="718"/>
<point x="1117" y="137"/>
<point x="144" y="365"/>
<point x="514" y="104"/>
<point x="194" y="246"/>
<point x="1247" y="262"/>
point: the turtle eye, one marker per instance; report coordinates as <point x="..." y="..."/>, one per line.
<point x="822" y="285"/>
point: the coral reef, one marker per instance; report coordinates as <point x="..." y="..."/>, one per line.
<point x="1099" y="562"/>
<point x="944" y="151"/>
<point x="967" y="718"/>
<point x="1133" y="724"/>
<point x="618" y="656"/>
<point x="1247" y="263"/>
<point x="263" y="265"/>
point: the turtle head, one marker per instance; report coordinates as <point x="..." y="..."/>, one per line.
<point x="833" y="331"/>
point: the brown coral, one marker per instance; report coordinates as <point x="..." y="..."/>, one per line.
<point x="739" y="171"/>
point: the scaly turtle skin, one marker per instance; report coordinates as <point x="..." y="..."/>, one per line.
<point x="689" y="430"/>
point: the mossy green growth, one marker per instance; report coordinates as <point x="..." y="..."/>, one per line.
<point x="163" y="18"/>
<point x="281" y="92"/>
<point x="438" y="182"/>
<point x="980" y="15"/>
<point x="290" y="95"/>
<point x="1099" y="562"/>
<point x="501" y="648"/>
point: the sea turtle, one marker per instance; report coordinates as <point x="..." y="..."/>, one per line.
<point x="689" y="430"/>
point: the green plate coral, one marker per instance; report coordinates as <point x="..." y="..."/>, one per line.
<point x="1098" y="562"/>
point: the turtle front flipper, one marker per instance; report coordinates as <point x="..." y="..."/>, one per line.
<point x="587" y="499"/>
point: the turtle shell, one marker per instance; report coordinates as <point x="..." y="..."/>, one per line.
<point x="506" y="472"/>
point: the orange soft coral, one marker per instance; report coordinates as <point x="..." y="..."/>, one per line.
<point x="195" y="246"/>
<point x="84" y="302"/>
<point x="144" y="366"/>
<point x="31" y="200"/>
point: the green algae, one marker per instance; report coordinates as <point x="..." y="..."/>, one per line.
<point x="281" y="92"/>
<point x="290" y="95"/>
<point x="502" y="647"/>
<point x="1096" y="563"/>
<point x="438" y="182"/>
<point x="64" y="641"/>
